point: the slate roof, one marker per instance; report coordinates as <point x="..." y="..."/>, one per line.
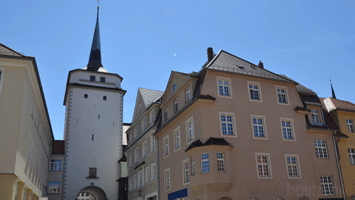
<point x="58" y="147"/>
<point x="227" y="62"/>
<point x="6" y="51"/>
<point x="300" y="88"/>
<point x="149" y="96"/>
<point x="339" y="105"/>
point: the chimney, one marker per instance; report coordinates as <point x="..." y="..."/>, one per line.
<point x="261" y="65"/>
<point x="209" y="53"/>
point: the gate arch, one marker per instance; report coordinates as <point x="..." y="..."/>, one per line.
<point x="96" y="192"/>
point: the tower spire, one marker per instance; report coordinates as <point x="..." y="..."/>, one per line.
<point x="331" y="85"/>
<point x="95" y="52"/>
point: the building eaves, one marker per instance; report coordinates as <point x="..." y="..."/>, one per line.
<point x="210" y="141"/>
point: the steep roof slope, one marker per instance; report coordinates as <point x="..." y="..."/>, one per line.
<point x="6" y="51"/>
<point x="149" y="96"/>
<point x="336" y="104"/>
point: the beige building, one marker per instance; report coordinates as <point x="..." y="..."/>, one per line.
<point x="141" y="148"/>
<point x="26" y="133"/>
<point x="237" y="131"/>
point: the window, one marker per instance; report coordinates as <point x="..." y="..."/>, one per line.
<point x="102" y="79"/>
<point x="145" y="149"/>
<point x="104" y="98"/>
<point x="152" y="143"/>
<point x="167" y="179"/>
<point x="220" y="162"/>
<point x="85" y="96"/>
<point x="287" y="129"/>
<point x="281" y="95"/>
<point x="166" y="114"/>
<point x="92" y="78"/>
<point x="174" y="87"/>
<point x="192" y="165"/>
<point x="130" y="161"/>
<point x="227" y="124"/>
<point x="254" y="91"/>
<point x="54" y="187"/>
<point x="190" y="130"/>
<point x="263" y="165"/>
<point x="135" y="132"/>
<point x="56" y="165"/>
<point x="136" y="155"/>
<point x="1" y="78"/>
<point x="144" y="124"/>
<point x="321" y="149"/>
<point x="153" y="171"/>
<point x="327" y="185"/>
<point x="166" y="145"/>
<point x="292" y="165"/>
<point x="135" y="181"/>
<point x="140" y="177"/>
<point x="315" y="116"/>
<point x="350" y="124"/>
<point x="152" y="117"/>
<point x="259" y="130"/>
<point x="186" y="171"/>
<point x="351" y="153"/>
<point x="187" y="95"/>
<point x="92" y="172"/>
<point x="130" y="183"/>
<point x="224" y="87"/>
<point x="205" y="163"/>
<point x="147" y="175"/>
<point x="176" y="105"/>
<point x="177" y="138"/>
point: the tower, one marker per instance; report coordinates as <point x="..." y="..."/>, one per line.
<point x="93" y="128"/>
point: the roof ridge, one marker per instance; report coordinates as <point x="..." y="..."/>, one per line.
<point x="149" y="89"/>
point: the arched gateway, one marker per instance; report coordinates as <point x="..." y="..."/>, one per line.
<point x="95" y="192"/>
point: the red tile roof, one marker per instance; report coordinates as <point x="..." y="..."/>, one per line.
<point x="341" y="104"/>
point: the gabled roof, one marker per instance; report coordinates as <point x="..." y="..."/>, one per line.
<point x="300" y="88"/>
<point x="6" y="51"/>
<point x="336" y="104"/>
<point x="227" y="62"/>
<point x="149" y="96"/>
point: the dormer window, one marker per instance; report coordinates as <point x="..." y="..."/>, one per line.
<point x="174" y="87"/>
<point x="92" y="78"/>
<point x="315" y="116"/>
<point x="102" y="79"/>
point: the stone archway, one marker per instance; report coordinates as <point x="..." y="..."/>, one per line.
<point x="96" y="192"/>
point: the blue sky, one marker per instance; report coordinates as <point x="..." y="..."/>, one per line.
<point x="143" y="41"/>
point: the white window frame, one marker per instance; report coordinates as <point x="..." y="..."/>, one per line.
<point x="147" y="175"/>
<point x="315" y="115"/>
<point x="187" y="94"/>
<point x="350" y="125"/>
<point x="54" y="188"/>
<point x="152" y="143"/>
<point x="2" y="70"/>
<point x="297" y="165"/>
<point x="136" y="155"/>
<point x="286" y="95"/>
<point x="193" y="167"/>
<point x="233" y="124"/>
<point x="292" y="130"/>
<point x="268" y="164"/>
<point x="153" y="171"/>
<point x="144" y="123"/>
<point x="325" y="183"/>
<point x="176" y="105"/>
<point x="167" y="179"/>
<point x="229" y="87"/>
<point x="177" y="139"/>
<point x="140" y="179"/>
<point x="258" y="90"/>
<point x="263" y="125"/>
<point x="145" y="148"/>
<point x="185" y="172"/>
<point x="321" y="147"/>
<point x="55" y="165"/>
<point x="152" y="116"/>
<point x="188" y="138"/>
<point x="220" y="160"/>
<point x="351" y="155"/>
<point x="166" y="146"/>
<point x="205" y="160"/>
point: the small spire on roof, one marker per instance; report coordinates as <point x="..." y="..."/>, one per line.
<point x="95" y="52"/>
<point x="331" y="85"/>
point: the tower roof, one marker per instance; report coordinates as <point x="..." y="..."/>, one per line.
<point x="95" y="52"/>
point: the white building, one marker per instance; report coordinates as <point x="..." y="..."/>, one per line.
<point x="93" y="129"/>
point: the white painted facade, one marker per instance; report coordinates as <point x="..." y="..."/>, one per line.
<point x="93" y="132"/>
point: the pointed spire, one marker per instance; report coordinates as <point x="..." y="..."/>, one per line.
<point x="331" y="85"/>
<point x="95" y="53"/>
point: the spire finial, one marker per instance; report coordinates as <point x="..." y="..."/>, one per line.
<point x="95" y="53"/>
<point x="331" y="85"/>
<point x="98" y="4"/>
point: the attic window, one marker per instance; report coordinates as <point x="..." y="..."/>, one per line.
<point x="102" y="79"/>
<point x="240" y="66"/>
<point x="92" y="78"/>
<point x="174" y="87"/>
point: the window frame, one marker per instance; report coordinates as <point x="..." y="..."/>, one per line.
<point x="136" y="155"/>
<point x="260" y="100"/>
<point x="327" y="183"/>
<point x="176" y="104"/>
<point x="151" y="117"/>
<point x="176" y="137"/>
<point x="313" y="113"/>
<point x="102" y="79"/>
<point x="185" y="172"/>
<point x="144" y="124"/>
<point x="351" y="155"/>
<point x="145" y="149"/>
<point x="92" y="78"/>
<point x="263" y="125"/>
<point x="2" y="71"/>
<point x="52" y="189"/>
<point x="152" y="143"/>
<point x="223" y="162"/>
<point x="147" y="175"/>
<point x="208" y="162"/>
<point x="166" y="146"/>
<point x="298" y="176"/>
<point x="153" y="175"/>
<point x="292" y="130"/>
<point x="229" y="87"/>
<point x="167" y="184"/>
<point x="56" y="163"/>
<point x="316" y="147"/>
<point x="286" y="95"/>
<point x="269" y="165"/>
<point x="188" y="141"/>
<point x="350" y="125"/>
<point x="193" y="167"/>
<point x="233" y="124"/>
<point x="187" y="94"/>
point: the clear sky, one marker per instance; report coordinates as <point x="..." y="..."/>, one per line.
<point x="143" y="41"/>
